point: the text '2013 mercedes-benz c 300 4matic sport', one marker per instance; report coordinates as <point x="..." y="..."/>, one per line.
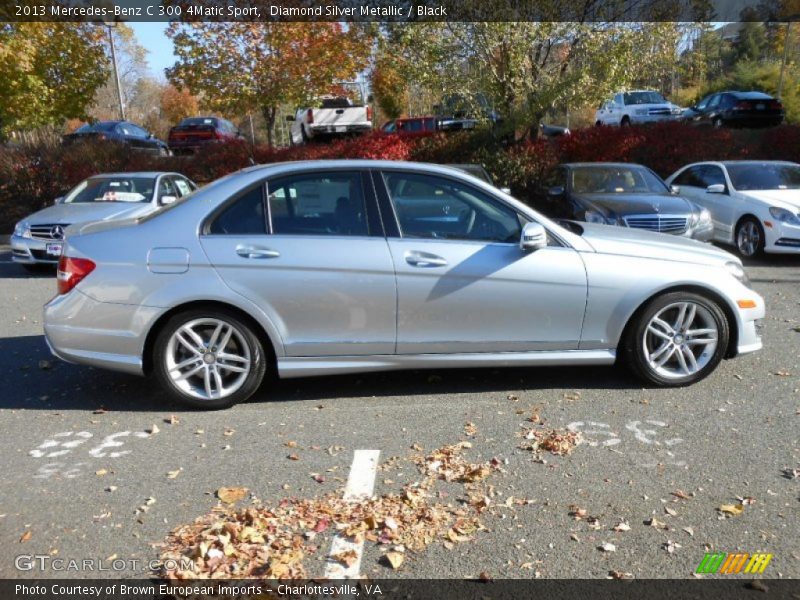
<point x="315" y="268"/>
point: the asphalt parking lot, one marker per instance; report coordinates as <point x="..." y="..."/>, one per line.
<point x="85" y="450"/>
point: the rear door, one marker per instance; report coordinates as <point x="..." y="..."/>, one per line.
<point x="309" y="249"/>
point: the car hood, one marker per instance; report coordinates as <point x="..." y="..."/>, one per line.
<point x="638" y="204"/>
<point x="610" y="239"/>
<point x="783" y="198"/>
<point x="89" y="211"/>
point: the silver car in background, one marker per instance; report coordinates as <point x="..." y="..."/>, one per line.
<point x="315" y="268"/>
<point x="39" y="238"/>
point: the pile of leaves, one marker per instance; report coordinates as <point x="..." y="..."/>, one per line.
<point x="261" y="542"/>
<point x="560" y="442"/>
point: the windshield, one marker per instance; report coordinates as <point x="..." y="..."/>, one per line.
<point x="615" y="180"/>
<point x="765" y="176"/>
<point x="106" y="126"/>
<point x="118" y="189"/>
<point x="644" y="98"/>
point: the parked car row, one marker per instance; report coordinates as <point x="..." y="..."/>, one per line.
<point x="752" y="205"/>
<point x="727" y="108"/>
<point x="188" y="136"/>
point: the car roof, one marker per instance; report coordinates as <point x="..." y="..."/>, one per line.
<point x="751" y="95"/>
<point x="355" y="163"/>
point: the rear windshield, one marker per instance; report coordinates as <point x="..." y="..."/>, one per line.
<point x="198" y="121"/>
<point x="122" y="189"/>
<point x="765" y="176"/>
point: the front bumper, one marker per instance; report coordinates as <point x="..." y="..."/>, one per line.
<point x="31" y="251"/>
<point x="749" y="325"/>
<point x="782" y="238"/>
<point x="641" y="119"/>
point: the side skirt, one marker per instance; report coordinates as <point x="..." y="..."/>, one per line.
<point x="301" y="366"/>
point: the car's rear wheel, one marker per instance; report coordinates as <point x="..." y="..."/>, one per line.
<point x="749" y="237"/>
<point x="677" y="339"/>
<point x="209" y="359"/>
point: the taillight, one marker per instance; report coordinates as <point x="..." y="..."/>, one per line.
<point x="743" y="106"/>
<point x="776" y="105"/>
<point x="71" y="271"/>
<point x="369" y="113"/>
<point x="310" y="115"/>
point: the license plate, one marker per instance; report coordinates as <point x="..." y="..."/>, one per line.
<point x="340" y="129"/>
<point x="760" y="107"/>
<point x="54" y="249"/>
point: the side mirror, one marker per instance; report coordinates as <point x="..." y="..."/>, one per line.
<point x="556" y="190"/>
<point x="534" y="237"/>
<point x="716" y="188"/>
<point x="290" y="118"/>
<point x="168" y="200"/>
<point x="675" y="189"/>
<point x="59" y="200"/>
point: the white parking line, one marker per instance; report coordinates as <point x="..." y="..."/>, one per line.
<point x="360" y="485"/>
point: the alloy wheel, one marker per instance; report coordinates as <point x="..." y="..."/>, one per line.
<point x="208" y="358"/>
<point x="680" y="340"/>
<point x="748" y="238"/>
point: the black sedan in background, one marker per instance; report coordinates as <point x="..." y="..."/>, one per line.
<point x="621" y="194"/>
<point x="736" y="109"/>
<point x="124" y="132"/>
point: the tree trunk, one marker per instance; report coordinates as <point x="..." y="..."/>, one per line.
<point x="269" y="113"/>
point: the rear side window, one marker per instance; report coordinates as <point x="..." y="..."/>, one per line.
<point x="244" y="216"/>
<point x="318" y="204"/>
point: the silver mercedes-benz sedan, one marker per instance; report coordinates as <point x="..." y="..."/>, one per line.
<point x="315" y="268"/>
<point x="39" y="238"/>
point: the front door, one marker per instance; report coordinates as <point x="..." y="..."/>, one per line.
<point x="464" y="284"/>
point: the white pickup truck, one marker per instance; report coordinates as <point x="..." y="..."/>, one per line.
<point x="334" y="116"/>
<point x="636" y="107"/>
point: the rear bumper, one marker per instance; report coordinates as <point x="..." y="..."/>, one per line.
<point x="81" y="330"/>
<point x="334" y="129"/>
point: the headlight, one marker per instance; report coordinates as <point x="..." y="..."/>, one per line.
<point x="594" y="217"/>
<point x="784" y="216"/>
<point x="737" y="270"/>
<point x="22" y="229"/>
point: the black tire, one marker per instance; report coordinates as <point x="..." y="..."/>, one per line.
<point x="252" y="380"/>
<point x="303" y="133"/>
<point x="632" y="348"/>
<point x="716" y="122"/>
<point x="626" y="121"/>
<point x="598" y="124"/>
<point x="748" y="229"/>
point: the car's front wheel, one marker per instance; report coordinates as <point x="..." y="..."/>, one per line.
<point x="677" y="339"/>
<point x="208" y="359"/>
<point x="749" y="237"/>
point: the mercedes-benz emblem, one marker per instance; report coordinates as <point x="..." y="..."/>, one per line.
<point x="57" y="232"/>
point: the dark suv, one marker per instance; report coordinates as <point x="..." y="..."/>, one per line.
<point x="736" y="109"/>
<point x="125" y="132"/>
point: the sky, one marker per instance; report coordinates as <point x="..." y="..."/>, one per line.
<point x="159" y="47"/>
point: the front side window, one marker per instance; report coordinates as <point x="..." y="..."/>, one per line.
<point x="431" y="207"/>
<point x="712" y="175"/>
<point x="318" y="204"/>
<point x="691" y="177"/>
<point x="244" y="216"/>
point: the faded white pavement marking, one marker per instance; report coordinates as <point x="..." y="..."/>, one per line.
<point x="360" y="485"/>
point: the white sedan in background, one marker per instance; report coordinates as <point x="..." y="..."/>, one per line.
<point x="755" y="205"/>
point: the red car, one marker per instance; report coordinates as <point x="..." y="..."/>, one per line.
<point x="412" y="125"/>
<point x="194" y="132"/>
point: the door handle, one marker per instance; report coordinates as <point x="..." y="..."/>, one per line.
<point x="256" y="252"/>
<point x="424" y="259"/>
